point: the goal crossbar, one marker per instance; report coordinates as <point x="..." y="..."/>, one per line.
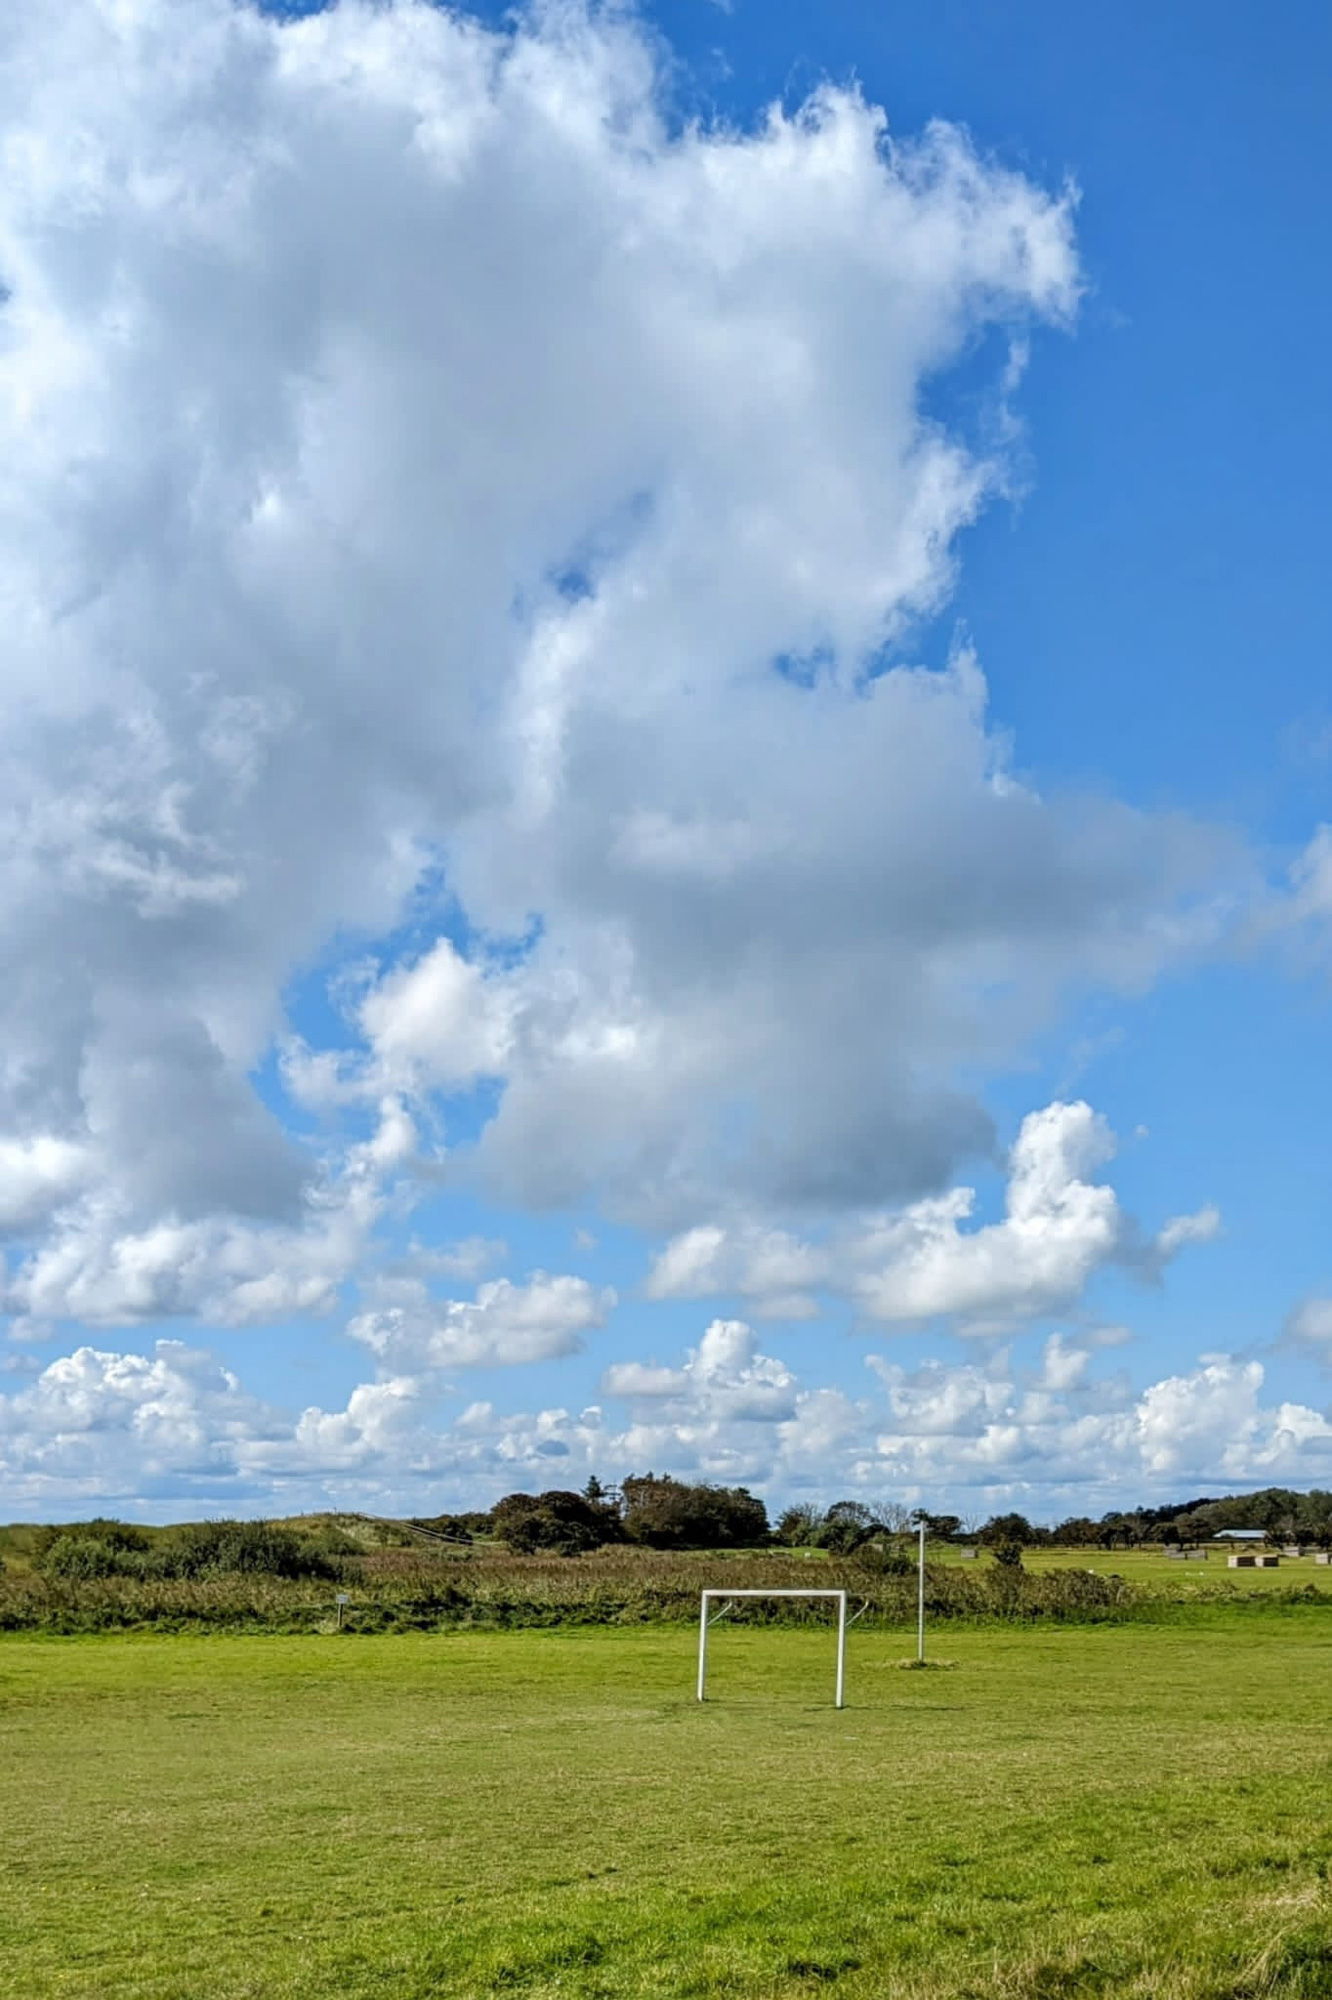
<point x="724" y="1597"/>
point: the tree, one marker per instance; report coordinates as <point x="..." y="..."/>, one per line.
<point x="454" y="1527"/>
<point x="666" y="1513"/>
<point x="847" y="1523"/>
<point x="1316" y="1518"/>
<point x="553" y="1523"/>
<point x="1278" y="1513"/>
<point x="1077" y="1532"/>
<point x="1009" y="1528"/>
<point x="940" y="1527"/>
<point x="1121" y="1530"/>
<point x="799" y="1526"/>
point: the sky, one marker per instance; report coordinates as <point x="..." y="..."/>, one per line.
<point x="667" y="782"/>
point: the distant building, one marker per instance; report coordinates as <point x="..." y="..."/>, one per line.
<point x="1241" y="1535"/>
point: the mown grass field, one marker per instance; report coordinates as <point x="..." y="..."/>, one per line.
<point x="1153" y="1567"/>
<point x="1137" y="1810"/>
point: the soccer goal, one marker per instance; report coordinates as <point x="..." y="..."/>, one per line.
<point x="724" y="1600"/>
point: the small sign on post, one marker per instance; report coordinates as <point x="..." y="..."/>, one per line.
<point x="344" y="1599"/>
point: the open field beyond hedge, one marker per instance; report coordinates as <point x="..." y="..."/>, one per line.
<point x="1153" y="1567"/>
<point x="1128" y="1809"/>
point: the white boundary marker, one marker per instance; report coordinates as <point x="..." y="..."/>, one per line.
<point x="920" y="1601"/>
<point x="725" y="1596"/>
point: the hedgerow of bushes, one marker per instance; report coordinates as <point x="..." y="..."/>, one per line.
<point x="620" y="1585"/>
<point x="96" y="1550"/>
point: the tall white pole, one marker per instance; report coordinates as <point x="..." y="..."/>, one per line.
<point x="841" y="1648"/>
<point x="703" y="1646"/>
<point x="920" y="1599"/>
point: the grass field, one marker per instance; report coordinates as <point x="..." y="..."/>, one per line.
<point x="1154" y="1567"/>
<point x="1138" y="1810"/>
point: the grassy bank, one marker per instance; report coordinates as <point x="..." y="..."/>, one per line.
<point x="1133" y="1810"/>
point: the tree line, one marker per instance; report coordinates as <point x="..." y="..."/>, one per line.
<point x="658" y="1511"/>
<point x="653" y="1510"/>
<point x="1278" y="1512"/>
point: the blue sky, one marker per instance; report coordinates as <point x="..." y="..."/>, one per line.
<point x="467" y="1032"/>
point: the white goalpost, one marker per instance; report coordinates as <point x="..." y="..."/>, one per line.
<point x="726" y="1597"/>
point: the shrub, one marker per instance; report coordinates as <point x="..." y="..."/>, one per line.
<point x="118" y="1536"/>
<point x="81" y="1557"/>
<point x="458" y="1527"/>
<point x="879" y="1556"/>
<point x="213" y="1548"/>
<point x="328" y="1539"/>
<point x="554" y="1523"/>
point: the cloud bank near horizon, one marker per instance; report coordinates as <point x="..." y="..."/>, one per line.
<point x="1055" y="1437"/>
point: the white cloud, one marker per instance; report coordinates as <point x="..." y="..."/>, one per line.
<point x="104" y="1424"/>
<point x="939" y="1400"/>
<point x="717" y="1416"/>
<point x="1182" y="1230"/>
<point x="505" y="1325"/>
<point x="381" y="1430"/>
<point x="416" y="454"/>
<point x="445" y="498"/>
<point x="1064" y="1367"/>
<point x="1062" y="1431"/>
<point x="36" y="1176"/>
<point x="221" y="1268"/>
<point x="438" y="1022"/>
<point x="1060" y="1227"/>
<point x="725" y="1374"/>
<point x="768" y="1265"/>
<point x="471" y="1258"/>
<point x="1310" y="1327"/>
<point x="1052" y="1438"/>
<point x="1311" y="879"/>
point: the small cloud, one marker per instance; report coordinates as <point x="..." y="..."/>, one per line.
<point x="1108" y="1336"/>
<point x="1310" y="1326"/>
<point x="471" y="1258"/>
<point x="1202" y="1227"/>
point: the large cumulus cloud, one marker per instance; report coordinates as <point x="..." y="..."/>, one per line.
<point x="1061" y="1227"/>
<point x="436" y="480"/>
<point x="423" y="459"/>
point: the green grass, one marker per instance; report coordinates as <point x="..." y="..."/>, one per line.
<point x="1126" y="1810"/>
<point x="1156" y="1569"/>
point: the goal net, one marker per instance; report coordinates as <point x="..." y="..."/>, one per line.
<point x="723" y="1600"/>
